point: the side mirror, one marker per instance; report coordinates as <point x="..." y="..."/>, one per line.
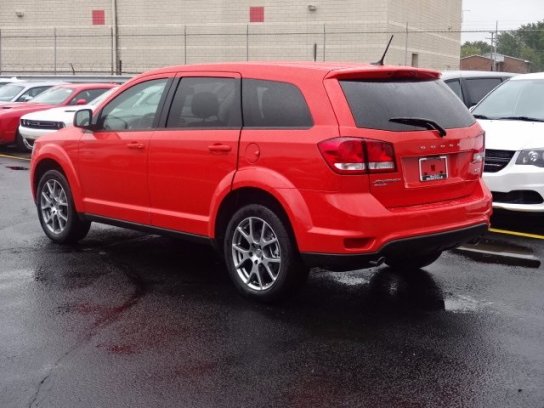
<point x="82" y="118"/>
<point x="24" y="98"/>
<point x="81" y="102"/>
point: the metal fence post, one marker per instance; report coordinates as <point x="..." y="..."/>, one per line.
<point x="247" y="42"/>
<point x="0" y="51"/>
<point x="406" y="47"/>
<point x="112" y="51"/>
<point x="55" y="51"/>
<point x="324" y="40"/>
<point x="185" y="44"/>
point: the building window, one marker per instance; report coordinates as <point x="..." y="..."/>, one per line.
<point x="99" y="17"/>
<point x="256" y="14"/>
<point x="415" y="60"/>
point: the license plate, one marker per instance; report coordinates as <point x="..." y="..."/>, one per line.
<point x="433" y="168"/>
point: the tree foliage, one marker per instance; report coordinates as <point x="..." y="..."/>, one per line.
<point x="527" y="42"/>
<point x="475" y="48"/>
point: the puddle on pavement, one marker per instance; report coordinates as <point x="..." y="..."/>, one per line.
<point x="463" y="304"/>
<point x="17" y="168"/>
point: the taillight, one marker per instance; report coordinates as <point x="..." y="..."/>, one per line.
<point x="479" y="155"/>
<point x="346" y="155"/>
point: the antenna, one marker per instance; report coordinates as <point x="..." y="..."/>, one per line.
<point x="380" y="62"/>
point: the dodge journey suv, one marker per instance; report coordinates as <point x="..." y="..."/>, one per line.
<point x="280" y="166"/>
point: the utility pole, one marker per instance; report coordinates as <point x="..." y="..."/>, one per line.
<point x="494" y="38"/>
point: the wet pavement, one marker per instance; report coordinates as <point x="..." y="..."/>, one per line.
<point x="126" y="319"/>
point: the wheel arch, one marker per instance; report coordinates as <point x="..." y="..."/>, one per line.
<point x="282" y="203"/>
<point x="62" y="164"/>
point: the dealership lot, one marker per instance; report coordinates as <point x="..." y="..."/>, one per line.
<point x="128" y="319"/>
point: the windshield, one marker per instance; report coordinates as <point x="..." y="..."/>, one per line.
<point x="54" y="96"/>
<point x="10" y="91"/>
<point x="399" y="105"/>
<point x="516" y="99"/>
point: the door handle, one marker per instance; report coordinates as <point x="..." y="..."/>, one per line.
<point x="219" y="148"/>
<point x="135" y="145"/>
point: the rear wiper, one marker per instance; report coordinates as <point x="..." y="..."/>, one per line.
<point x="524" y="118"/>
<point x="426" y="123"/>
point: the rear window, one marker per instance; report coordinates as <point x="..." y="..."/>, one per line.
<point x="374" y="103"/>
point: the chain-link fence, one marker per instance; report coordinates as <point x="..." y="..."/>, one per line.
<point x="136" y="49"/>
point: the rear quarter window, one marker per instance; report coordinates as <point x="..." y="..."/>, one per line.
<point x="374" y="103"/>
<point x="272" y="104"/>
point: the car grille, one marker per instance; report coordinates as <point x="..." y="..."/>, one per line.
<point x="42" y="124"/>
<point x="496" y="160"/>
<point x="518" y="197"/>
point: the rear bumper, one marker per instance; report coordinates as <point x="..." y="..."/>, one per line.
<point x="400" y="248"/>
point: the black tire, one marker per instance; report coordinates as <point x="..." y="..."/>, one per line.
<point x="20" y="144"/>
<point x="253" y="266"/>
<point x="413" y="262"/>
<point x="56" y="210"/>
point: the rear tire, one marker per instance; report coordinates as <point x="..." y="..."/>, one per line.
<point x="56" y="210"/>
<point x="413" y="262"/>
<point x="261" y="256"/>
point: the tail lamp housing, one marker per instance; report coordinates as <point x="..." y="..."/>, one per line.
<point x="350" y="155"/>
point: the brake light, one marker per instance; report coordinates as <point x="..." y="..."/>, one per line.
<point x="479" y="155"/>
<point x="346" y="155"/>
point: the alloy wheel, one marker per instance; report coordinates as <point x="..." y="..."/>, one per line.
<point x="54" y="206"/>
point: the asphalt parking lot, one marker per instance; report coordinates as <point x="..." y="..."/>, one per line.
<point x="126" y="319"/>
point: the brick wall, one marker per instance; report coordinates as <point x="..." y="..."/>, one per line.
<point x="169" y="32"/>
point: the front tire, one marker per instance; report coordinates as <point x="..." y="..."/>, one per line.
<point x="56" y="210"/>
<point x="261" y="256"/>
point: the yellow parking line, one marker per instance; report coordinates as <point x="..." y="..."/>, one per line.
<point x="14" y="157"/>
<point x="517" y="234"/>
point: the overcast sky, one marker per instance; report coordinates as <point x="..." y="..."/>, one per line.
<point x="510" y="14"/>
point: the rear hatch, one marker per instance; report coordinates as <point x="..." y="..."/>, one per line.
<point x="431" y="145"/>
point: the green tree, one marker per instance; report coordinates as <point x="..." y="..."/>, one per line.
<point x="527" y="42"/>
<point x="474" y="48"/>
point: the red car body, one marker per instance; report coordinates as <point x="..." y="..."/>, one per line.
<point x="10" y="114"/>
<point x="350" y="196"/>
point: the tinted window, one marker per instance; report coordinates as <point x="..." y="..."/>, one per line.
<point x="480" y="87"/>
<point x="135" y="108"/>
<point x="206" y="103"/>
<point x="270" y="104"/>
<point x="87" y="95"/>
<point x="373" y="103"/>
<point x="31" y="93"/>
<point x="455" y="86"/>
<point x="514" y="99"/>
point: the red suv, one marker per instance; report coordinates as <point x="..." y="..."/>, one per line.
<point x="281" y="166"/>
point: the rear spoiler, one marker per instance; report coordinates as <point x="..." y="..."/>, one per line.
<point x="383" y="72"/>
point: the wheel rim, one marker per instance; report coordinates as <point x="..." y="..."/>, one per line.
<point x="54" y="207"/>
<point x="256" y="253"/>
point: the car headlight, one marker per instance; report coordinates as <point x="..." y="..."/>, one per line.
<point x="531" y="157"/>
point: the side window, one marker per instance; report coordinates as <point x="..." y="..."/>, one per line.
<point x="135" y="108"/>
<point x="271" y="104"/>
<point x="87" y="95"/>
<point x="480" y="87"/>
<point x="455" y="86"/>
<point x="31" y="93"/>
<point x="206" y="102"/>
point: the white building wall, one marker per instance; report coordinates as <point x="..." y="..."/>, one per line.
<point x="59" y="35"/>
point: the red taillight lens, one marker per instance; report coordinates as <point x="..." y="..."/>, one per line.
<point x="347" y="155"/>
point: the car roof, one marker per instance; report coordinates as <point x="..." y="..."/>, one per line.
<point x="321" y="69"/>
<point x="34" y="84"/>
<point x="535" y="75"/>
<point x="80" y="86"/>
<point x="476" y="74"/>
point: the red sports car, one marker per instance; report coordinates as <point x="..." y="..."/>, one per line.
<point x="61" y="95"/>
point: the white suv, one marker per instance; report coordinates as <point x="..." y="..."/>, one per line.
<point x="513" y="118"/>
